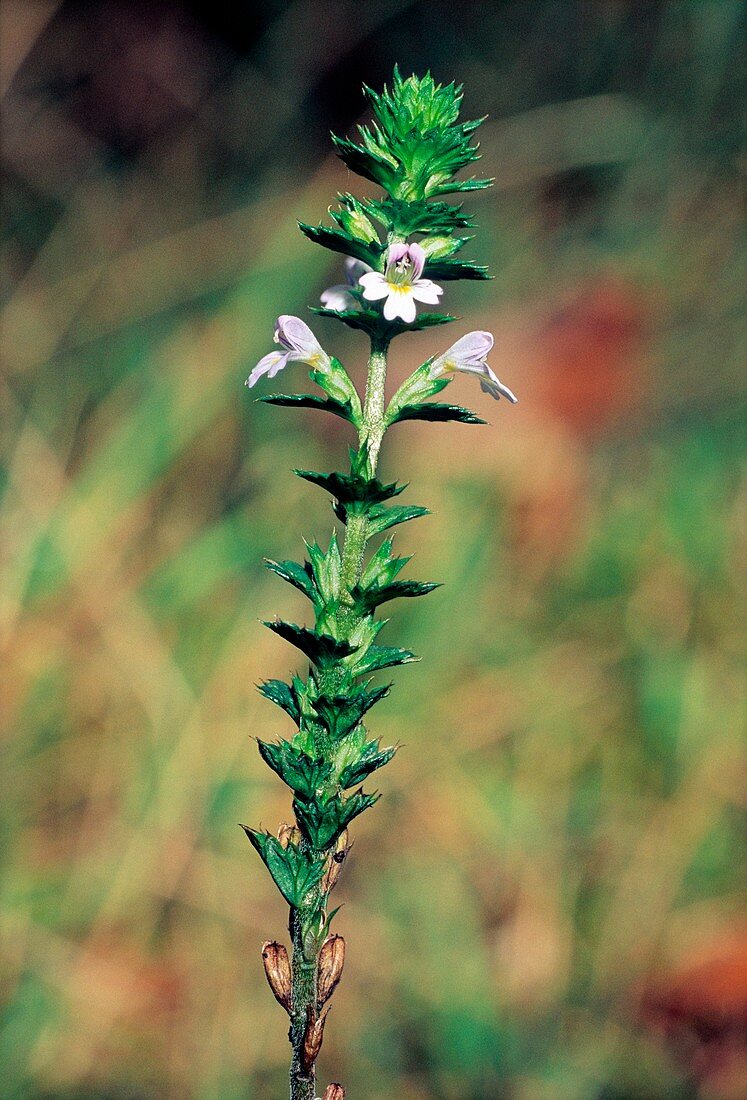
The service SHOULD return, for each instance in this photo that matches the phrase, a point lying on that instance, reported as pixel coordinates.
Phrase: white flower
(401, 285)
(300, 346)
(339, 296)
(469, 355)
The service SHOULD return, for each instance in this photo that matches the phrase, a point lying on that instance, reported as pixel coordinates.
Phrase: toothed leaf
(352, 488)
(321, 649)
(298, 575)
(371, 758)
(383, 656)
(341, 713)
(322, 823)
(298, 771)
(339, 240)
(311, 401)
(381, 518)
(437, 412)
(295, 873)
(368, 599)
(283, 695)
(455, 269)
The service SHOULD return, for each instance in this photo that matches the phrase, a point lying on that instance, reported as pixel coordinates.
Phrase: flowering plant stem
(414, 152)
(305, 970)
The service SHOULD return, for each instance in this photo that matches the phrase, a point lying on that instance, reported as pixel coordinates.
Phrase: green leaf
(322, 649)
(365, 320)
(381, 519)
(350, 489)
(283, 695)
(339, 240)
(425, 320)
(340, 714)
(367, 599)
(406, 218)
(437, 412)
(375, 324)
(295, 872)
(322, 823)
(382, 568)
(300, 576)
(471, 184)
(298, 771)
(311, 401)
(371, 758)
(455, 269)
(383, 656)
(353, 219)
(415, 388)
(326, 568)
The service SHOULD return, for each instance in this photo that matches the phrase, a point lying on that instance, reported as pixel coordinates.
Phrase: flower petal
(338, 297)
(396, 251)
(400, 303)
(354, 269)
(424, 290)
(375, 286)
(492, 385)
(269, 364)
(473, 348)
(417, 259)
(293, 334)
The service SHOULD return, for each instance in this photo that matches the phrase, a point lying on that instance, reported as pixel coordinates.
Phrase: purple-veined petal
(417, 259)
(293, 334)
(396, 252)
(269, 364)
(469, 353)
(472, 348)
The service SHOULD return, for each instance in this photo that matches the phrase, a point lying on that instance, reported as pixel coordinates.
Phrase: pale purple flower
(299, 344)
(339, 296)
(469, 355)
(401, 285)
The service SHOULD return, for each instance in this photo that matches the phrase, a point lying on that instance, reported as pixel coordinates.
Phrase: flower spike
(395, 246)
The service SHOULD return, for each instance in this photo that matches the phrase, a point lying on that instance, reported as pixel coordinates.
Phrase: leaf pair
(322, 822)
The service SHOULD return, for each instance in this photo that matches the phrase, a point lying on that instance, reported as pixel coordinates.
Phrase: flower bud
(334, 1092)
(358, 225)
(436, 248)
(337, 859)
(288, 834)
(331, 962)
(312, 1041)
(278, 972)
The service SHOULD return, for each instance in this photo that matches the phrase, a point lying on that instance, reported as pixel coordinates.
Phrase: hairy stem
(305, 976)
(372, 431)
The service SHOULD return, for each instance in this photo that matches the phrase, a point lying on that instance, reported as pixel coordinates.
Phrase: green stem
(372, 430)
(304, 997)
(305, 976)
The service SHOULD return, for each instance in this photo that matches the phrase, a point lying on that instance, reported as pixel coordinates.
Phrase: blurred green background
(546, 903)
